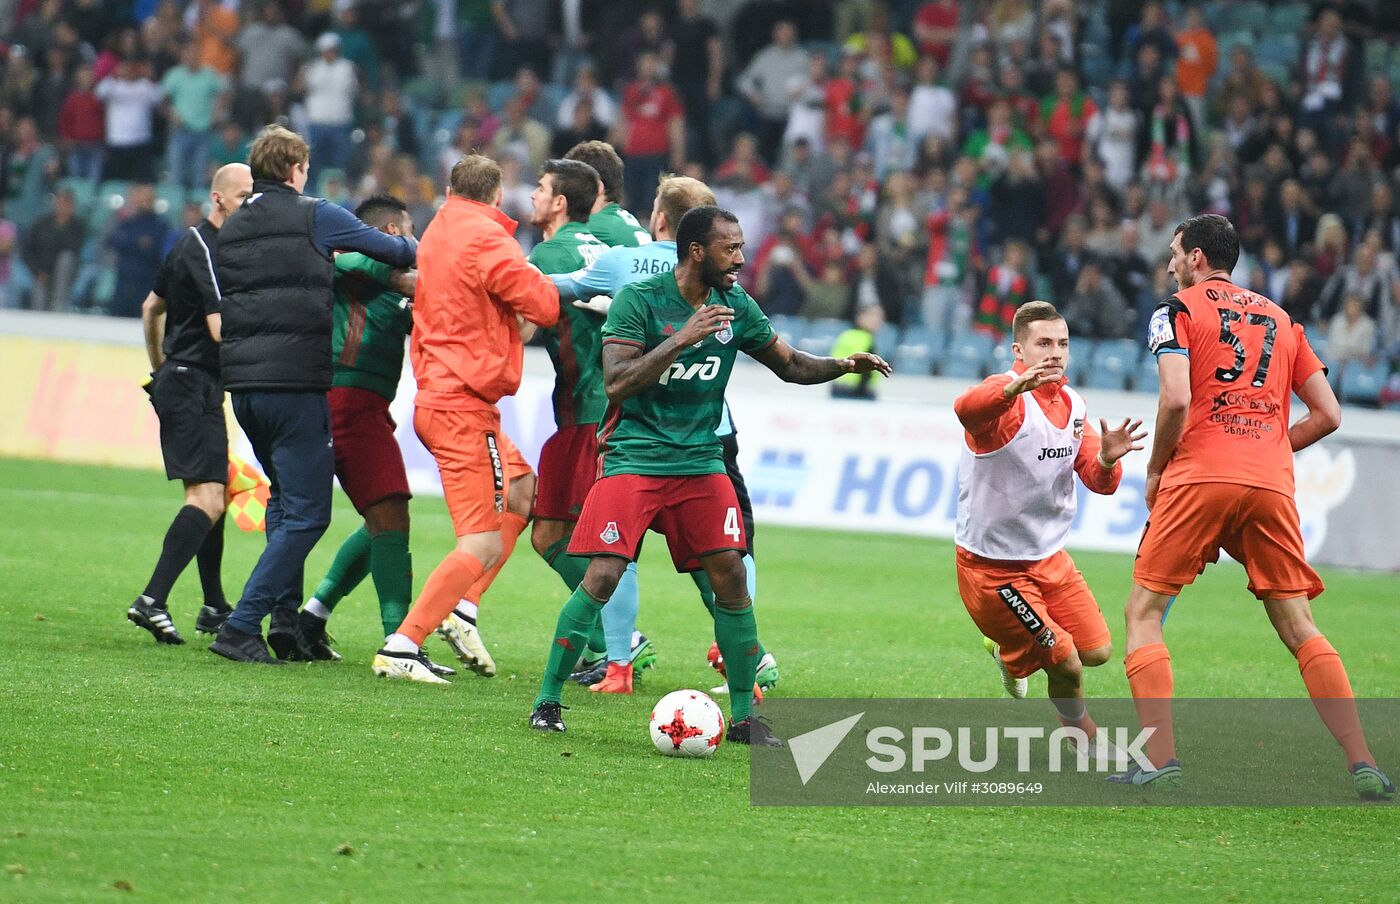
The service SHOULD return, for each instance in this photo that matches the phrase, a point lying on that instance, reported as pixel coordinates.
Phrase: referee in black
(276, 263)
(180, 318)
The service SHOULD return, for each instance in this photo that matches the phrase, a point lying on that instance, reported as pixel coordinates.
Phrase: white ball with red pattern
(687, 723)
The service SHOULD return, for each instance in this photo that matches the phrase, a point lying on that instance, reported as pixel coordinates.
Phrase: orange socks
(1150, 677)
(512, 525)
(448, 583)
(1330, 690)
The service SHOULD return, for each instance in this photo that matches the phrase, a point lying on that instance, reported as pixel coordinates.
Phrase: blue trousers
(291, 437)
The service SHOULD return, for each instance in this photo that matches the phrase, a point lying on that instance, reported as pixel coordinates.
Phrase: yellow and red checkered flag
(248, 492)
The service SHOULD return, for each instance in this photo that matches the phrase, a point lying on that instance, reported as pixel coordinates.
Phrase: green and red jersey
(575, 342)
(668, 430)
(370, 323)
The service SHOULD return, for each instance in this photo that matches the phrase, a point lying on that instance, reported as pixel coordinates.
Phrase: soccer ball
(687, 723)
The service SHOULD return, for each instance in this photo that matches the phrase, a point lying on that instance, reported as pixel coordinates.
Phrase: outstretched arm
(795, 366)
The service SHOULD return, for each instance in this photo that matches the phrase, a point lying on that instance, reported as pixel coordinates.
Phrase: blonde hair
(676, 195)
(276, 152)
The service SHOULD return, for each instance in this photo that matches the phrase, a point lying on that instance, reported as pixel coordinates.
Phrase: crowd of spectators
(942, 160)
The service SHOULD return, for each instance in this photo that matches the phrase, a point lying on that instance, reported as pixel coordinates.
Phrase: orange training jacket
(473, 280)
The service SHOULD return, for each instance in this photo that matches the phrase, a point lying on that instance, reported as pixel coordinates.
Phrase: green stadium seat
(1288, 18)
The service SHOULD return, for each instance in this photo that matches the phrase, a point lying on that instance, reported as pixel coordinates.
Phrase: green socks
(570, 568)
(387, 559)
(736, 632)
(349, 568)
(576, 621)
(707, 596)
(392, 568)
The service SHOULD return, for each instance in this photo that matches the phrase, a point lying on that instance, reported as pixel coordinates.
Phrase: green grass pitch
(130, 771)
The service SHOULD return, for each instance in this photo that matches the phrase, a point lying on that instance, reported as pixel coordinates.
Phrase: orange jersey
(473, 281)
(1247, 359)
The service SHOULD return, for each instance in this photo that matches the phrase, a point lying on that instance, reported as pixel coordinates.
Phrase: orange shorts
(1037, 612)
(1191, 523)
(476, 461)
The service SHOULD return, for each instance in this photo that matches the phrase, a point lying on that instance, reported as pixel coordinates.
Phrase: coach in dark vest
(276, 274)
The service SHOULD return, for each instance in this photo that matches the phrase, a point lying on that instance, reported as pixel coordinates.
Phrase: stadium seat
(1376, 54)
(551, 98)
(1288, 18)
(1112, 364)
(1279, 50)
(1317, 341)
(886, 339)
(1233, 39)
(1362, 385)
(1081, 358)
(912, 360)
(927, 336)
(1122, 354)
(170, 203)
(967, 355)
(1147, 379)
(821, 335)
(962, 369)
(790, 328)
(1000, 358)
(111, 196)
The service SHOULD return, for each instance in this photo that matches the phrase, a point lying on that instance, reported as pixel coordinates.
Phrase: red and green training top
(575, 343)
(370, 323)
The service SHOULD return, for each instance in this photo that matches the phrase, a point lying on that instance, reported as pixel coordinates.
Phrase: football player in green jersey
(610, 223)
(669, 346)
(372, 316)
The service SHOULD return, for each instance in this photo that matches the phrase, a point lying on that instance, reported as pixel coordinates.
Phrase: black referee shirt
(187, 282)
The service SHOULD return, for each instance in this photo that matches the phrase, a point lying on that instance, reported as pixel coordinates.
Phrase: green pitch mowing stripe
(190, 778)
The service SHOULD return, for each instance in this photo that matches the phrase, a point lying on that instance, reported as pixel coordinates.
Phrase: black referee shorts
(193, 433)
(736, 477)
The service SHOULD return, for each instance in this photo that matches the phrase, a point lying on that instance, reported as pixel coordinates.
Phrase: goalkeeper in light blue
(592, 289)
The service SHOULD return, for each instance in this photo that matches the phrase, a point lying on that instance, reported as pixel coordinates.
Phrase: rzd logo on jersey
(610, 534)
(700, 370)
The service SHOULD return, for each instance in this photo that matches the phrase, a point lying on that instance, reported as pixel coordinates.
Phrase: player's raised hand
(864, 363)
(1126, 437)
(1032, 377)
(707, 320)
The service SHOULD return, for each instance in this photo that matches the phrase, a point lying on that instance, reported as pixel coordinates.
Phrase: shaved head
(232, 185)
(230, 176)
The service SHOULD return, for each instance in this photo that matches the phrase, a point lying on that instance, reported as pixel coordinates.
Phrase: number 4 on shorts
(731, 524)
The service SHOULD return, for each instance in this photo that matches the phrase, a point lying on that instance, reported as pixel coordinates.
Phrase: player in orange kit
(475, 289)
(1027, 437)
(1221, 477)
